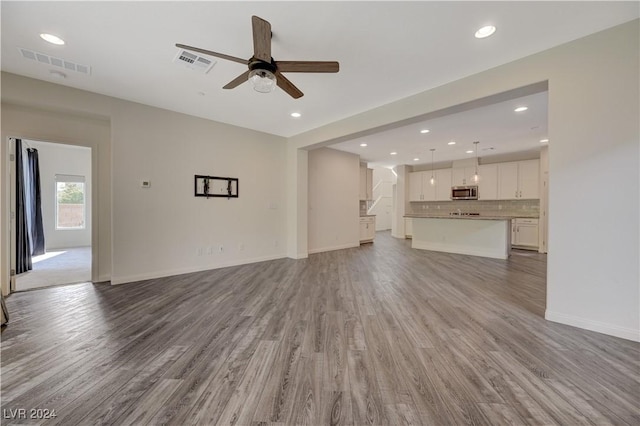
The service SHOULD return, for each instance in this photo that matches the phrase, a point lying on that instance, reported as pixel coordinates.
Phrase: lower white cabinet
(367, 229)
(408, 227)
(524, 233)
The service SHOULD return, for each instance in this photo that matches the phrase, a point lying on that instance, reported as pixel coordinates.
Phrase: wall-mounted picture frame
(216, 186)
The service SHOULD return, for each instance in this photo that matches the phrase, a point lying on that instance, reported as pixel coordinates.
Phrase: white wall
(593, 262)
(65, 160)
(334, 179)
(161, 230)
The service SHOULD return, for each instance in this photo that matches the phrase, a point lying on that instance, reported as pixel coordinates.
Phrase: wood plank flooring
(376, 335)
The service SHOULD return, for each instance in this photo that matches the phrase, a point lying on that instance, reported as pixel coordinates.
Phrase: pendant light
(476, 176)
(433, 179)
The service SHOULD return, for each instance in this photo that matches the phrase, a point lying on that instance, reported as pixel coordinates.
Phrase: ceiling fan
(264, 72)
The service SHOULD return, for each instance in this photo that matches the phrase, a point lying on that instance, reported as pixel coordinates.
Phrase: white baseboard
(104, 278)
(451, 248)
(180, 271)
(597, 326)
(339, 247)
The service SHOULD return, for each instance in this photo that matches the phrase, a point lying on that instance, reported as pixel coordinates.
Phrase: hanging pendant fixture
(476, 176)
(433, 179)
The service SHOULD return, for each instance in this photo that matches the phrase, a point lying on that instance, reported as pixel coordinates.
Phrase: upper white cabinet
(529, 179)
(462, 176)
(420, 188)
(488, 184)
(443, 184)
(502, 181)
(518, 180)
(366, 182)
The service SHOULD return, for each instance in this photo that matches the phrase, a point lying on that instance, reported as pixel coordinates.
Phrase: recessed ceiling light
(363, 144)
(296, 115)
(544, 140)
(52, 39)
(470, 151)
(485, 31)
(451, 143)
(416, 159)
(393, 153)
(520, 109)
(424, 131)
(57, 74)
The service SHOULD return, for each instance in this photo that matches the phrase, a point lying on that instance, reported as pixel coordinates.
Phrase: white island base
(477, 236)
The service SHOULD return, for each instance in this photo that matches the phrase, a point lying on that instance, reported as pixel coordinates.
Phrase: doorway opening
(65, 194)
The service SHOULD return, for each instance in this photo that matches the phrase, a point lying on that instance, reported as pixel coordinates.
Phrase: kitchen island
(486, 236)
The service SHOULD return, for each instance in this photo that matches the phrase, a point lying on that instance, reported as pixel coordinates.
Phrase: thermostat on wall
(145, 183)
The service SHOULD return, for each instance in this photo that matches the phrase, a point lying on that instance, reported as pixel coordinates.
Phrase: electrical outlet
(210, 250)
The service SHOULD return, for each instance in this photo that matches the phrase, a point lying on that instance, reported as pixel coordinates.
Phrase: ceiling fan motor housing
(257, 64)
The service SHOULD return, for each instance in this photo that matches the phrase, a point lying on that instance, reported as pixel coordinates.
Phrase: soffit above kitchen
(387, 50)
(498, 127)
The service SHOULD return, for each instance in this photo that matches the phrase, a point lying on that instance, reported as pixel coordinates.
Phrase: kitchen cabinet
(366, 182)
(488, 184)
(524, 233)
(518, 180)
(462, 176)
(367, 229)
(443, 184)
(408, 227)
(420, 188)
(529, 179)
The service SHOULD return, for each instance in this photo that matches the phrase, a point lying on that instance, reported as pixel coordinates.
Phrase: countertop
(419, 216)
(367, 215)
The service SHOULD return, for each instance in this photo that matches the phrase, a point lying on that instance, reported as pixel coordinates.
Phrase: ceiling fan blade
(238, 80)
(288, 86)
(261, 39)
(210, 53)
(308, 66)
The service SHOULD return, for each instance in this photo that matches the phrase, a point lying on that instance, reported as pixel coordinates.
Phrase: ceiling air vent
(193, 61)
(56, 62)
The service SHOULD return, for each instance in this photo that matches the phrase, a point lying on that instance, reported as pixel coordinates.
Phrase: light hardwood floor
(380, 334)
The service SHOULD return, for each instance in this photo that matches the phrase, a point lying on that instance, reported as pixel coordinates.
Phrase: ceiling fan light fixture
(263, 81)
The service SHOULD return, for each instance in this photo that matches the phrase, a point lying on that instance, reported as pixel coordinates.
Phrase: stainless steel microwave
(464, 192)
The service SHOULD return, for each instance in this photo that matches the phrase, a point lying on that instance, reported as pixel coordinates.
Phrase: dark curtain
(36, 228)
(29, 226)
(23, 246)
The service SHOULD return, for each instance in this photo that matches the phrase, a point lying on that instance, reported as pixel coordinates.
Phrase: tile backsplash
(519, 208)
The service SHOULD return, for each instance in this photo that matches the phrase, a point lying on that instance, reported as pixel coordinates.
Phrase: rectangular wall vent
(56, 62)
(194, 61)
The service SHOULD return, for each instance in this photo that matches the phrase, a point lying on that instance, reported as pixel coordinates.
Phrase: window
(70, 202)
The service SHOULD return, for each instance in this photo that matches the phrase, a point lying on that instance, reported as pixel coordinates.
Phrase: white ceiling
(386, 50)
(499, 129)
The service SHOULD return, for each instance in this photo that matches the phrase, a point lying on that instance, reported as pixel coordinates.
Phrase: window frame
(71, 179)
